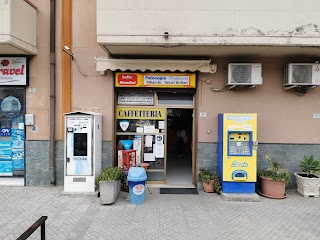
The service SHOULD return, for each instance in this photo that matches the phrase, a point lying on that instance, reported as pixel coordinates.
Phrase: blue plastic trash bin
(137, 177)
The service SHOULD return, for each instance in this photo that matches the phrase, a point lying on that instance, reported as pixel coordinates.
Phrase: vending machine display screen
(239, 144)
(80, 144)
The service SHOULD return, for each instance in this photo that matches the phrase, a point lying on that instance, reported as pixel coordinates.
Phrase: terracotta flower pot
(273, 189)
(208, 187)
(144, 165)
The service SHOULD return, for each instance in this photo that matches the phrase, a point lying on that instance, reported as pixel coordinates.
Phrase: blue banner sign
(5, 132)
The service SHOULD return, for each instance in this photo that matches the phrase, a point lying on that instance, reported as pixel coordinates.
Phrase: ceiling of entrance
(213, 51)
(7, 49)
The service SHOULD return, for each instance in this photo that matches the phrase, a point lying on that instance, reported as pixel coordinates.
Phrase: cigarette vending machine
(82, 151)
(237, 152)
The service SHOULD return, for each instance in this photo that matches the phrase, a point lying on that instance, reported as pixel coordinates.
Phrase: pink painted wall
(283, 117)
(90, 90)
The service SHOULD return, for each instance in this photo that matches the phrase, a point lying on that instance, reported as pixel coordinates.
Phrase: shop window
(12, 133)
(166, 98)
(141, 134)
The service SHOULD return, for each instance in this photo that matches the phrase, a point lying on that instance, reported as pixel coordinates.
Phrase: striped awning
(112, 64)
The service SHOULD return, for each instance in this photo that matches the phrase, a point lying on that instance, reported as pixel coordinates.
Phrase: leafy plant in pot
(110, 184)
(210, 181)
(273, 180)
(307, 181)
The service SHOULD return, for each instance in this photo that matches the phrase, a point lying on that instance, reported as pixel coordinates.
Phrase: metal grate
(241, 73)
(302, 74)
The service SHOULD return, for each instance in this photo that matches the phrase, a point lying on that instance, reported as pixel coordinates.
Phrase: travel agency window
(13, 80)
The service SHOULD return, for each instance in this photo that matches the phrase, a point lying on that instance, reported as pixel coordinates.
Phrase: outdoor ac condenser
(302, 74)
(244, 74)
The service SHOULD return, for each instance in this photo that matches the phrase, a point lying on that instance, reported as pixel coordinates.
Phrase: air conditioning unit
(244, 74)
(302, 74)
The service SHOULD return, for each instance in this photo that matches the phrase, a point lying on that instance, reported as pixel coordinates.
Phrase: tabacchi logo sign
(127, 79)
(13, 71)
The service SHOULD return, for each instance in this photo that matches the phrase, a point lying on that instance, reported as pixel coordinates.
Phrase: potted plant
(210, 181)
(110, 184)
(307, 181)
(273, 180)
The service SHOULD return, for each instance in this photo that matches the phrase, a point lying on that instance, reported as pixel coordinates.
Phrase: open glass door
(179, 139)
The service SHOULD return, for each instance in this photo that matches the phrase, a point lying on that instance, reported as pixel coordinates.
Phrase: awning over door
(104, 64)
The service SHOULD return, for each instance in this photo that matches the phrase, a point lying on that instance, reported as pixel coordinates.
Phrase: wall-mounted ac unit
(244, 74)
(302, 74)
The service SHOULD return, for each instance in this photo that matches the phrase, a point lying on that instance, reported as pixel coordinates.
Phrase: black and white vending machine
(82, 151)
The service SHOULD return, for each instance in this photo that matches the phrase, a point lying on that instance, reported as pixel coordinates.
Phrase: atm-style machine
(237, 155)
(82, 151)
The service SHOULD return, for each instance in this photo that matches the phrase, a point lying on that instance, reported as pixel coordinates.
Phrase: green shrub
(309, 165)
(276, 172)
(205, 176)
(111, 174)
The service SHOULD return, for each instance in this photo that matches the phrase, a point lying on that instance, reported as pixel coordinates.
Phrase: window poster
(158, 149)
(5, 151)
(148, 157)
(137, 144)
(6, 168)
(17, 121)
(138, 157)
(5, 132)
(18, 159)
(17, 138)
(120, 158)
(149, 140)
(10, 106)
(159, 139)
(5, 122)
(161, 124)
(149, 129)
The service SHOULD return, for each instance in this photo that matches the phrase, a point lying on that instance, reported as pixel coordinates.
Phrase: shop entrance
(179, 146)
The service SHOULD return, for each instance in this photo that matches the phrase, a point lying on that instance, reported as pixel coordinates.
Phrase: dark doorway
(179, 146)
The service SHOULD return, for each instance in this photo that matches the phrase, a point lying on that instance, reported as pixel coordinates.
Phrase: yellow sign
(156, 80)
(140, 113)
(239, 155)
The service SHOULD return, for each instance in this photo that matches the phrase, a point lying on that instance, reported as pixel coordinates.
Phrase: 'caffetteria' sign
(157, 80)
(140, 113)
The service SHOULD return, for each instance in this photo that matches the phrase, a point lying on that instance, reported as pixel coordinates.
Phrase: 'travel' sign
(157, 80)
(13, 71)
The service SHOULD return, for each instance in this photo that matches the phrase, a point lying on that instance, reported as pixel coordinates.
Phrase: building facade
(150, 68)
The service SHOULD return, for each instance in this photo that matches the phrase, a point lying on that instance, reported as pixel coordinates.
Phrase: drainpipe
(52, 107)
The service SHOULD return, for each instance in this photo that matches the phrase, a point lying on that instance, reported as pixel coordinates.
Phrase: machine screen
(80, 144)
(239, 144)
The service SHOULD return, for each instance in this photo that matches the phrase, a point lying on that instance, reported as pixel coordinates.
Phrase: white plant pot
(308, 187)
(109, 191)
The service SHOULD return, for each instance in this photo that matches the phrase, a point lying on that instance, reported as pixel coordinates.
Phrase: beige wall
(39, 77)
(23, 22)
(208, 18)
(90, 91)
(283, 117)
(18, 28)
(5, 24)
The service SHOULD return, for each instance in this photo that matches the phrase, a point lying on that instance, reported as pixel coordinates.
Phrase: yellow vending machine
(237, 152)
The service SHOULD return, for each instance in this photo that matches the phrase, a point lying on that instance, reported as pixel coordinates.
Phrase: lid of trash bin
(137, 174)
